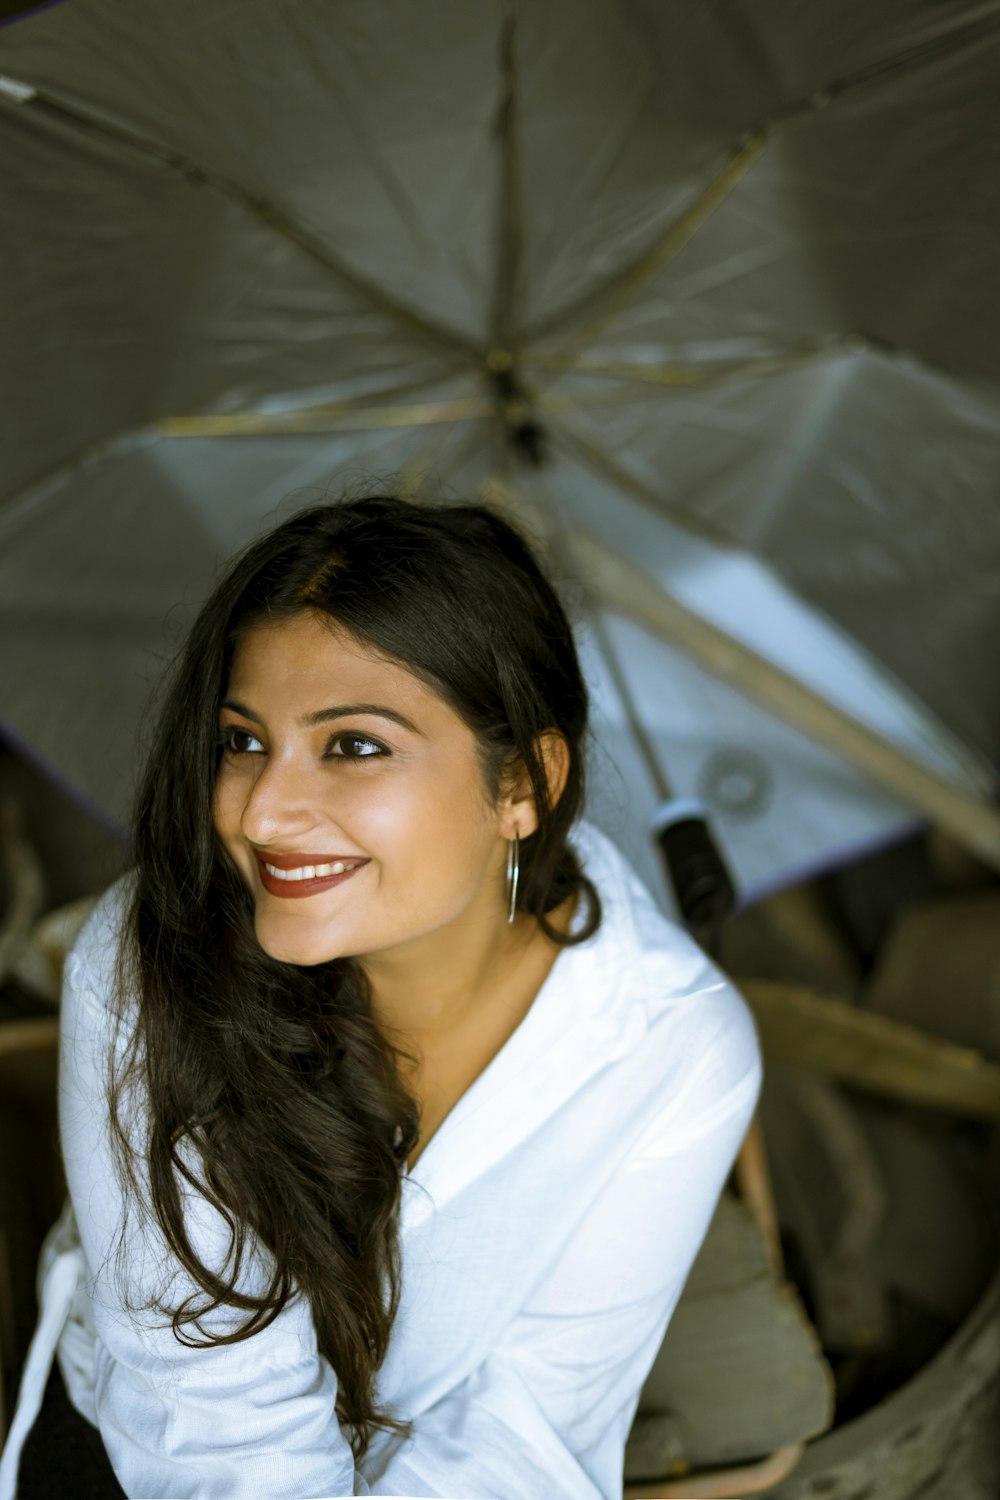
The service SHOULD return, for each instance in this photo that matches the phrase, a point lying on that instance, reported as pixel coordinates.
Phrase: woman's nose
(280, 805)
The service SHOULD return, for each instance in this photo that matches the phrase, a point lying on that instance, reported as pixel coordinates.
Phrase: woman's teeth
(310, 872)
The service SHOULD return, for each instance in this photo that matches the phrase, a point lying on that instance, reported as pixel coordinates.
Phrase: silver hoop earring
(513, 870)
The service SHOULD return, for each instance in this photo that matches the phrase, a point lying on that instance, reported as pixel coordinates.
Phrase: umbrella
(703, 294)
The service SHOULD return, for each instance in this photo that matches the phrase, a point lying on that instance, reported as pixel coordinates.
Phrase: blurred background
(706, 298)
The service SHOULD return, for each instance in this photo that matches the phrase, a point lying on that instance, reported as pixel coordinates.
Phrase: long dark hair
(274, 1078)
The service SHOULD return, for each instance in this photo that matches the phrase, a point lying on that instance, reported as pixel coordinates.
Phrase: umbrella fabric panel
(866, 482)
(894, 532)
(82, 608)
(794, 50)
(614, 136)
(741, 593)
(903, 217)
(94, 247)
(239, 486)
(371, 125)
(147, 299)
(873, 211)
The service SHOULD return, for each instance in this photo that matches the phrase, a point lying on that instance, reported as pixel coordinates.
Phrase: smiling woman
(367, 922)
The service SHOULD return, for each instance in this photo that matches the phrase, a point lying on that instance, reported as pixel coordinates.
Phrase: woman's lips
(295, 889)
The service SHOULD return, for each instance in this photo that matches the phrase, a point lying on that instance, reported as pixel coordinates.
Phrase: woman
(391, 1158)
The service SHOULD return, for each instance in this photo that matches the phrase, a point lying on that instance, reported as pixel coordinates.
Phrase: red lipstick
(295, 889)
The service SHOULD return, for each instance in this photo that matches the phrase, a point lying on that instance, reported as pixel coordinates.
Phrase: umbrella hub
(524, 431)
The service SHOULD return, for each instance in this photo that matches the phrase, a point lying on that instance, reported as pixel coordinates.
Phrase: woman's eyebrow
(324, 715)
(342, 710)
(241, 709)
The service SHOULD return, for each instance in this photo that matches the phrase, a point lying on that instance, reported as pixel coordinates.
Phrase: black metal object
(696, 870)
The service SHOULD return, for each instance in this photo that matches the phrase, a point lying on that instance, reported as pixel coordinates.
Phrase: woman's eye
(359, 747)
(240, 741)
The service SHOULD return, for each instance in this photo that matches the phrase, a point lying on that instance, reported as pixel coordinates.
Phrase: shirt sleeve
(255, 1417)
(548, 1412)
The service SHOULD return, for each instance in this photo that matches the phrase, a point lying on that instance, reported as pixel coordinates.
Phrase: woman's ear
(519, 809)
(555, 756)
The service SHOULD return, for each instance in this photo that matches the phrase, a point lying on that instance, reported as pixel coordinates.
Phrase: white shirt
(547, 1230)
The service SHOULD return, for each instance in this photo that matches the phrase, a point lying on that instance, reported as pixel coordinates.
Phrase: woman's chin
(301, 951)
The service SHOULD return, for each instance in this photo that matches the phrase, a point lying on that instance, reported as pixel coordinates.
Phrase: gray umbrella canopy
(707, 295)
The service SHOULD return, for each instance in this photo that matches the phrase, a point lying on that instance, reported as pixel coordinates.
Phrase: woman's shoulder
(635, 933)
(92, 961)
(100, 934)
(651, 965)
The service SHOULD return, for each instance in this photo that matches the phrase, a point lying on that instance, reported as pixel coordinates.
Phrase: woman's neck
(444, 980)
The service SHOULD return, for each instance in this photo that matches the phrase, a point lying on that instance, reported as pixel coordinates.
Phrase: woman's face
(332, 755)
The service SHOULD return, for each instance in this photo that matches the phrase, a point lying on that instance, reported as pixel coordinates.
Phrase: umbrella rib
(344, 407)
(19, 506)
(510, 227)
(46, 104)
(684, 375)
(623, 285)
(649, 381)
(952, 40)
(359, 418)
